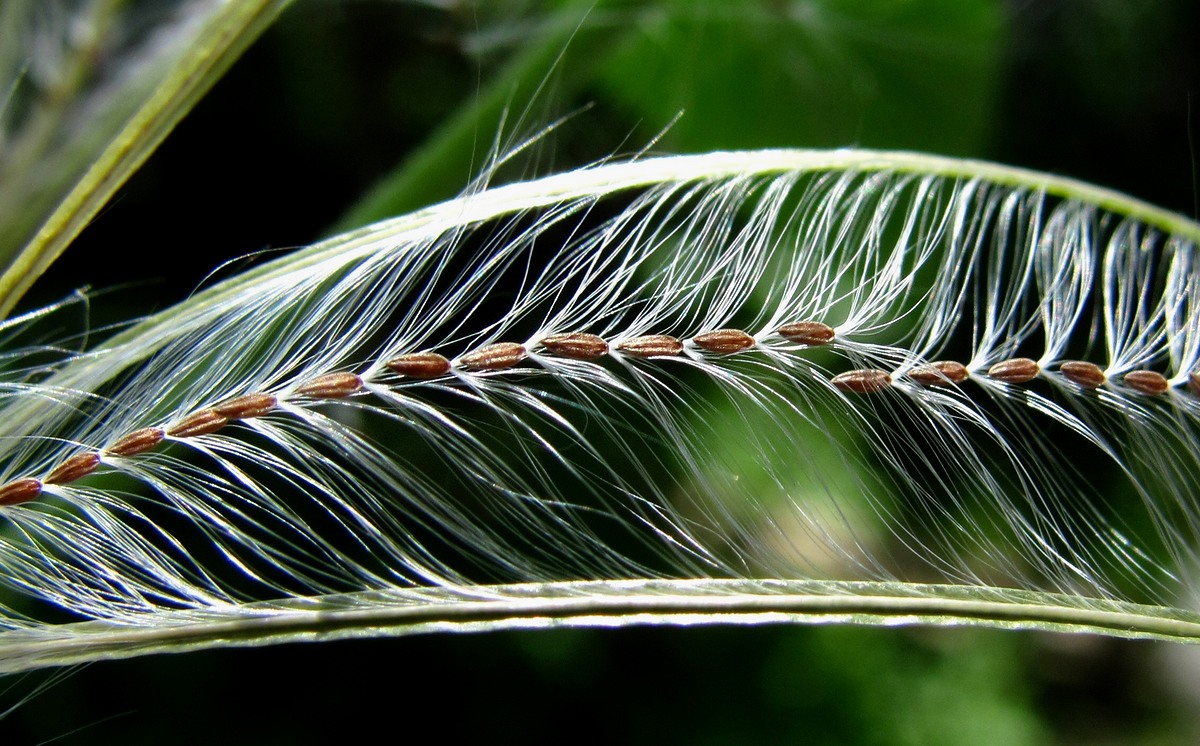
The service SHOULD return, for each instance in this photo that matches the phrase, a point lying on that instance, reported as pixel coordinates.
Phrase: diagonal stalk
(225, 36)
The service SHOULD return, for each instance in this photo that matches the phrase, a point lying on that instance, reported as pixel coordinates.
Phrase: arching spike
(724, 341)
(1016, 370)
(577, 345)
(863, 381)
(651, 345)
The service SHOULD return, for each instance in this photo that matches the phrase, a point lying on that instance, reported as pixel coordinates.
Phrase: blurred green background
(347, 111)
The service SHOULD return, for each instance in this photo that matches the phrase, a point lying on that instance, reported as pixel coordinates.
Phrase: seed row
(576, 346)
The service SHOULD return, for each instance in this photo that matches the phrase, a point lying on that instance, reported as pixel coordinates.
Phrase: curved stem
(616, 603)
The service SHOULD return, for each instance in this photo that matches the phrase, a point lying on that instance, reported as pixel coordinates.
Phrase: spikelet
(839, 367)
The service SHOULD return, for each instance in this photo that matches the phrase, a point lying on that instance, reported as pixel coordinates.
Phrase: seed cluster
(575, 346)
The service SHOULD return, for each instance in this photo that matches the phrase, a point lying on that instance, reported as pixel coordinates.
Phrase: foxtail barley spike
(1148, 382)
(246, 407)
(940, 373)
(1088, 375)
(738, 461)
(865, 381)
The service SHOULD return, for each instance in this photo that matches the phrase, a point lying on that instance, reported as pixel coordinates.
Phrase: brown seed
(202, 422)
(940, 373)
(1148, 382)
(1193, 383)
(79, 465)
(811, 333)
(1016, 370)
(651, 345)
(578, 345)
(1087, 375)
(724, 341)
(494, 356)
(245, 407)
(331, 386)
(420, 365)
(138, 441)
(20, 491)
(864, 381)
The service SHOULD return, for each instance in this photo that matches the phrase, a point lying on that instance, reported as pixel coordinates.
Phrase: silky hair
(761, 386)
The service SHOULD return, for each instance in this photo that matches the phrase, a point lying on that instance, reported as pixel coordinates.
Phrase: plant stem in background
(218, 37)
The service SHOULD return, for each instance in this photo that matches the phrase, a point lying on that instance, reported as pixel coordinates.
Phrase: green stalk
(227, 33)
(615, 603)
